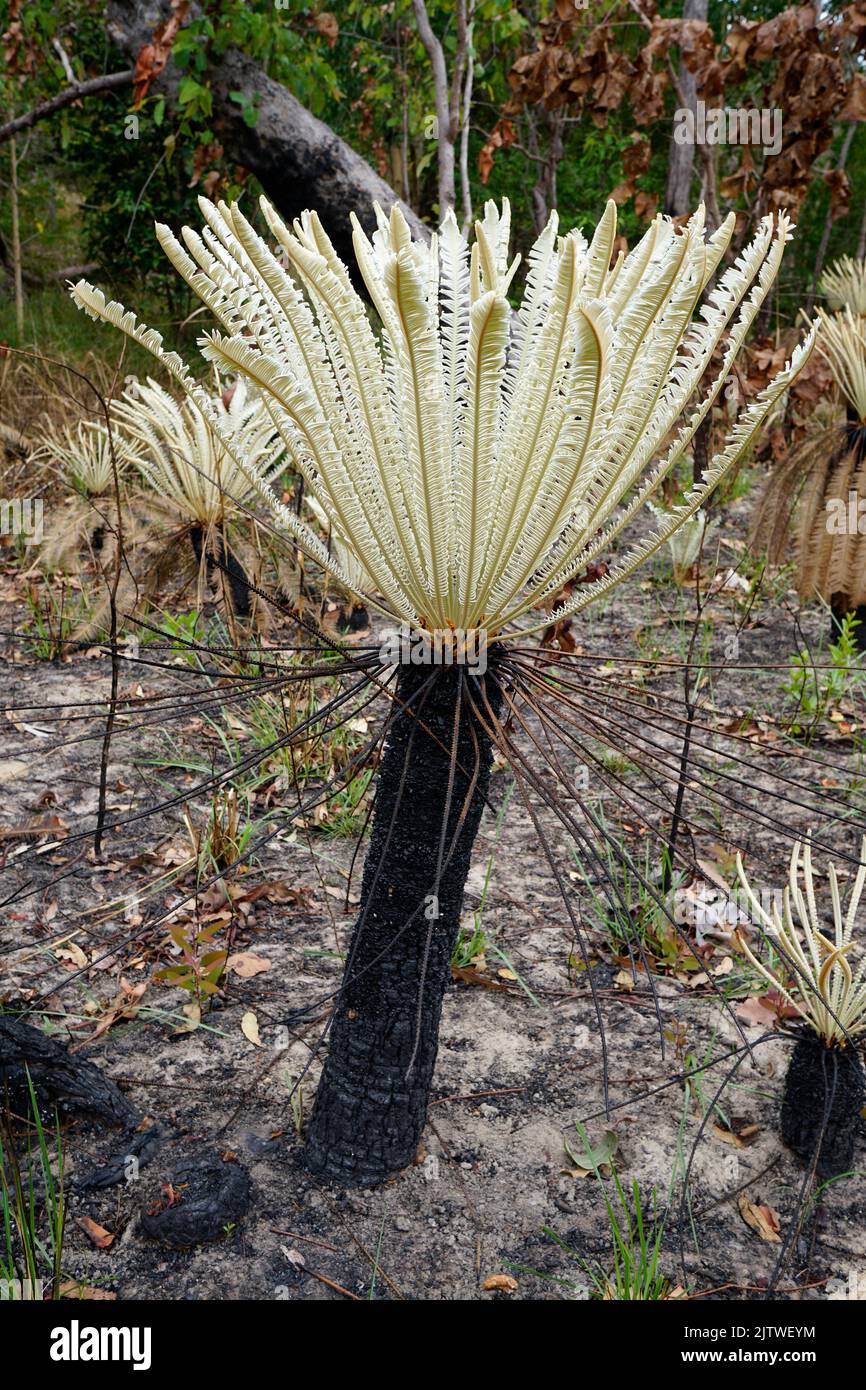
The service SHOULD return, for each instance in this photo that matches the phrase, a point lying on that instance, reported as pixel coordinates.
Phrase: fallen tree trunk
(299, 161)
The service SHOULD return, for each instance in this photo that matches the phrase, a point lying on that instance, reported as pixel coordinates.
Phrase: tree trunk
(447, 110)
(298, 160)
(237, 587)
(681, 158)
(15, 248)
(828, 223)
(372, 1099)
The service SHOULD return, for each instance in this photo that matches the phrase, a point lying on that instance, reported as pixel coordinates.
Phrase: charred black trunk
(228, 562)
(824, 1091)
(372, 1099)
(354, 618)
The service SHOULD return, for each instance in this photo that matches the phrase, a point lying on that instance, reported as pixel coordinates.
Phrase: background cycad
(183, 461)
(87, 467)
(843, 284)
(820, 475)
(472, 460)
(821, 972)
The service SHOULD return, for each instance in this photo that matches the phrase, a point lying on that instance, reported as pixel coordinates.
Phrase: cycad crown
(472, 458)
(182, 458)
(85, 453)
(832, 995)
(843, 284)
(842, 340)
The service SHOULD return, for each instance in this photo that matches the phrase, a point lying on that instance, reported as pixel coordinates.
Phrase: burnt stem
(824, 1094)
(432, 783)
(221, 553)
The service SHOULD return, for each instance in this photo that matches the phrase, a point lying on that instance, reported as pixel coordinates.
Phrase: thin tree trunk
(828, 222)
(371, 1104)
(555, 151)
(861, 243)
(540, 209)
(404, 123)
(446, 95)
(15, 248)
(681, 158)
(465, 186)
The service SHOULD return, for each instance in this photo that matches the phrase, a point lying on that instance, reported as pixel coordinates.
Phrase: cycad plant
(812, 970)
(824, 476)
(473, 459)
(83, 457)
(689, 543)
(198, 483)
(843, 284)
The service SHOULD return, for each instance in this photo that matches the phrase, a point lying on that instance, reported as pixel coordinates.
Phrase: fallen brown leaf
(98, 1234)
(500, 1283)
(246, 964)
(760, 1218)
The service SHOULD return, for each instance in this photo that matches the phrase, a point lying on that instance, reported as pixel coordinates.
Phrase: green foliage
(32, 1204)
(813, 687)
(636, 1232)
(201, 963)
(53, 615)
(89, 191)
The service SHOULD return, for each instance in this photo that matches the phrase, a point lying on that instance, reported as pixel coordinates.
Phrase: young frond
(182, 459)
(687, 543)
(831, 994)
(471, 459)
(842, 340)
(843, 285)
(84, 453)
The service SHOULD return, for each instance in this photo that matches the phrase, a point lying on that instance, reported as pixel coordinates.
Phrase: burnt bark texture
(371, 1104)
(59, 1078)
(824, 1090)
(220, 555)
(299, 161)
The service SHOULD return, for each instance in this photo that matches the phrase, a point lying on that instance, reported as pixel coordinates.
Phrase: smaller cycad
(689, 543)
(181, 459)
(194, 486)
(811, 969)
(843, 284)
(82, 456)
(819, 477)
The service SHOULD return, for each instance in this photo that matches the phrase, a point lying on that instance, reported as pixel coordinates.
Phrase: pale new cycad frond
(843, 284)
(831, 995)
(688, 543)
(182, 459)
(842, 340)
(469, 457)
(84, 452)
